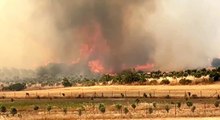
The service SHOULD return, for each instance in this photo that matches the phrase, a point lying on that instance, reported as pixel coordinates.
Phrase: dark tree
(15, 87)
(66, 83)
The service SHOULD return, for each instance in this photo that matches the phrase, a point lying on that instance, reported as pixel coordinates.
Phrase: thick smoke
(216, 62)
(107, 28)
(187, 33)
(109, 35)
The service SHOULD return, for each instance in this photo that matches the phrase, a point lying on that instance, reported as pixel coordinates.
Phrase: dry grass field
(110, 95)
(116, 90)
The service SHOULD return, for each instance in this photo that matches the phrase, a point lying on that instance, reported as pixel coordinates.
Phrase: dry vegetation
(116, 90)
(137, 95)
(202, 96)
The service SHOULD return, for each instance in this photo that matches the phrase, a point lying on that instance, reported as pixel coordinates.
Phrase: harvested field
(115, 91)
(91, 97)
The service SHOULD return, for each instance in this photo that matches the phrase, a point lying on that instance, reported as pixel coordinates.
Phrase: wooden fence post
(175, 109)
(205, 109)
(154, 93)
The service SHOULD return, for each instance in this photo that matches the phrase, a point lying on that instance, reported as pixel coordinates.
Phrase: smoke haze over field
(109, 35)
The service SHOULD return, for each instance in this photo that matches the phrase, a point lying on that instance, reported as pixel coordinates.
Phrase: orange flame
(94, 48)
(96, 66)
(144, 67)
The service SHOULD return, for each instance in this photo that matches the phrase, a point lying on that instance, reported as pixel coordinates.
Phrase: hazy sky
(183, 33)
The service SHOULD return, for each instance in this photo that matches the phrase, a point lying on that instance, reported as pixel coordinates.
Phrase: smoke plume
(109, 35)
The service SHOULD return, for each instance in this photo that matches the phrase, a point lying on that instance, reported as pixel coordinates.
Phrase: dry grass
(115, 91)
(209, 112)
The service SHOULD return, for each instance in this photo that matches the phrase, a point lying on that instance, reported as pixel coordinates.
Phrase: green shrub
(88, 83)
(15, 87)
(165, 82)
(185, 82)
(216, 103)
(150, 110)
(13, 111)
(49, 108)
(3, 109)
(66, 83)
(118, 106)
(133, 105)
(179, 105)
(36, 108)
(102, 108)
(137, 101)
(189, 103)
(126, 110)
(167, 108)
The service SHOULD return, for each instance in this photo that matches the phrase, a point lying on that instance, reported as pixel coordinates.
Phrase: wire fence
(111, 94)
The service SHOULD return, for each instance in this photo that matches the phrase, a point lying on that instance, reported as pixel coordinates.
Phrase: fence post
(154, 93)
(175, 109)
(205, 109)
(94, 95)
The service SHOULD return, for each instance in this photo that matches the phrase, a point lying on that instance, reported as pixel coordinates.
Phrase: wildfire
(94, 47)
(94, 50)
(145, 67)
(96, 66)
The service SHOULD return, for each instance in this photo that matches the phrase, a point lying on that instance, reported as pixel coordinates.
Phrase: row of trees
(131, 76)
(125, 77)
